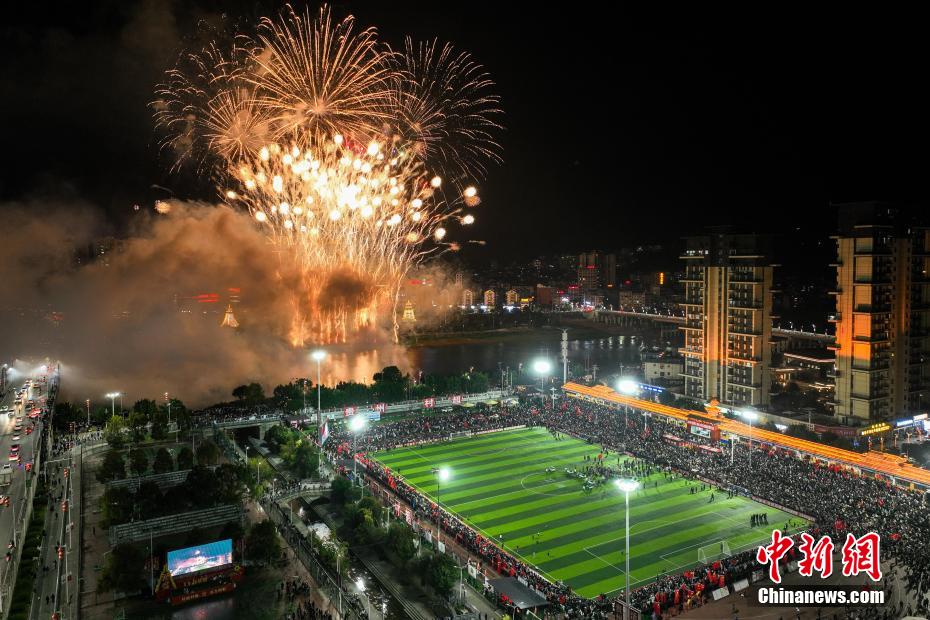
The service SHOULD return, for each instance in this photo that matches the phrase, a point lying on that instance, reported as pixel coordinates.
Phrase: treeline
(143, 414)
(388, 386)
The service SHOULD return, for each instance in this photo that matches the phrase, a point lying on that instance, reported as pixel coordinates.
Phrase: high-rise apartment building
(596, 271)
(882, 313)
(728, 318)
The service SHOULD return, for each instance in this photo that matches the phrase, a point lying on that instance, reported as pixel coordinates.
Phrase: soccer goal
(714, 551)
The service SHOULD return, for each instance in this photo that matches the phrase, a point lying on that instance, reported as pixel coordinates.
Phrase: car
(14, 447)
(15, 437)
(17, 428)
(13, 456)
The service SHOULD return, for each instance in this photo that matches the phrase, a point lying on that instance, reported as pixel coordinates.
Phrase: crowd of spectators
(839, 500)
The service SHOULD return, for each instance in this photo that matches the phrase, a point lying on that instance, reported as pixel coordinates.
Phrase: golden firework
(337, 147)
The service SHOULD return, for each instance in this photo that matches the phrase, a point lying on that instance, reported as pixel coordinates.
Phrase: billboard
(199, 558)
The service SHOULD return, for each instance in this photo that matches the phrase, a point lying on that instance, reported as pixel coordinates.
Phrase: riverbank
(510, 334)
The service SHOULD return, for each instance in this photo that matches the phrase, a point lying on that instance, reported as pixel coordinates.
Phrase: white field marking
(521, 490)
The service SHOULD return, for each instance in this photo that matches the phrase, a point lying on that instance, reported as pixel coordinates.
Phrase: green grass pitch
(498, 485)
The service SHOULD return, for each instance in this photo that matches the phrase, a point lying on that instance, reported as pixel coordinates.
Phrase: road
(17, 489)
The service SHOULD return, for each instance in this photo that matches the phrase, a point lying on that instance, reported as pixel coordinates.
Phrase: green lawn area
(499, 486)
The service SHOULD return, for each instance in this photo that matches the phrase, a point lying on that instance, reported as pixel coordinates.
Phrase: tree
(99, 415)
(340, 490)
(202, 486)
(305, 460)
(160, 426)
(138, 462)
(117, 505)
(400, 540)
(252, 393)
(65, 414)
(137, 423)
(390, 384)
(207, 453)
(146, 407)
(262, 543)
(229, 483)
(112, 468)
(163, 462)
(123, 571)
(442, 573)
(115, 433)
(275, 437)
(185, 458)
(149, 500)
(180, 415)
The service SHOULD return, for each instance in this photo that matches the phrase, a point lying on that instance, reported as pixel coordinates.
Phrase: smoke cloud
(141, 318)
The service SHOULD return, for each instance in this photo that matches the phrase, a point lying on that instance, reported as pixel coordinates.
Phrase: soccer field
(499, 486)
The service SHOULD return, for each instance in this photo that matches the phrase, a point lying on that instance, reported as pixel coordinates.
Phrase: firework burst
(446, 108)
(337, 147)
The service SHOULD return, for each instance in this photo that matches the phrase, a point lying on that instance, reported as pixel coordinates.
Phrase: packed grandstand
(839, 499)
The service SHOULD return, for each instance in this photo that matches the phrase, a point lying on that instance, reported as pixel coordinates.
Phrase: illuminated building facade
(728, 319)
(882, 313)
(596, 271)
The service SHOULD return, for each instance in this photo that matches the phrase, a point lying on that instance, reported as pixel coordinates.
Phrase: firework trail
(337, 146)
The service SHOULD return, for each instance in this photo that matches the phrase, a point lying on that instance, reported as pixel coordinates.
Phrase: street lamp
(356, 424)
(751, 416)
(626, 486)
(319, 355)
(112, 396)
(542, 367)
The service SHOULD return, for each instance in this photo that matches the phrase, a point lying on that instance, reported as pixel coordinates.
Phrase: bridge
(263, 422)
(306, 490)
(634, 318)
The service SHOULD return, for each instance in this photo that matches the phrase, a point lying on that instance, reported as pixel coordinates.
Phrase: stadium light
(112, 396)
(542, 367)
(318, 355)
(627, 486)
(442, 474)
(751, 416)
(628, 387)
(356, 424)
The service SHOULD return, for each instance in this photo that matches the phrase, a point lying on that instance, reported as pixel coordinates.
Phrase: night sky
(621, 128)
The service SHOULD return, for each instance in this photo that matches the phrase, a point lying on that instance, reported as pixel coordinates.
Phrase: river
(488, 354)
